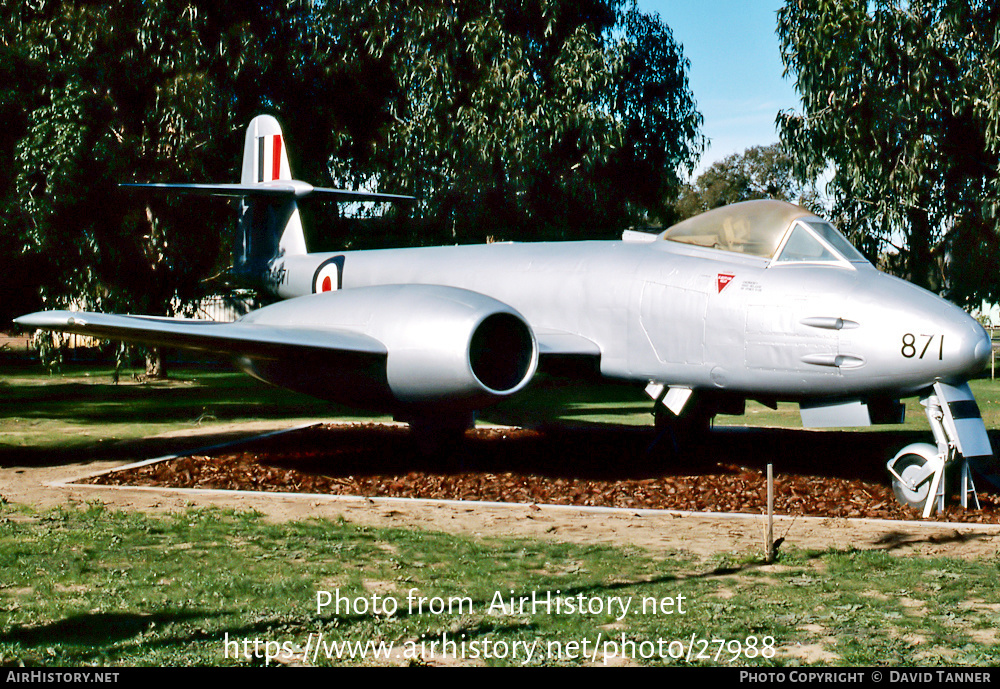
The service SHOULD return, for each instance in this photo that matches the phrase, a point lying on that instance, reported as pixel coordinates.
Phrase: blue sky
(736, 71)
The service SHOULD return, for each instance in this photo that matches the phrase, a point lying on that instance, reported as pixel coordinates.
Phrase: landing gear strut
(919, 470)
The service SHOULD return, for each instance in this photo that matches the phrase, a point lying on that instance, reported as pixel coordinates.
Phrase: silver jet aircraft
(759, 300)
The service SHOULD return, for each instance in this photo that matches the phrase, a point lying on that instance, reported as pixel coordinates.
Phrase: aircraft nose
(917, 335)
(974, 347)
(980, 347)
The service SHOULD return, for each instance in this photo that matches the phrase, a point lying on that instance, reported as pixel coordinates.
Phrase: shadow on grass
(124, 451)
(94, 629)
(91, 636)
(104, 403)
(41, 417)
(895, 540)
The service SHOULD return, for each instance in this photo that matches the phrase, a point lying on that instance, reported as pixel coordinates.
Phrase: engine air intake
(501, 352)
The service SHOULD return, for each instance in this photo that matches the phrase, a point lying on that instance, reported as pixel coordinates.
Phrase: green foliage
(660, 121)
(549, 118)
(760, 172)
(901, 100)
(109, 94)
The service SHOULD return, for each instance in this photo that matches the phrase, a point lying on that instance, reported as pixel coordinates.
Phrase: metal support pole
(770, 513)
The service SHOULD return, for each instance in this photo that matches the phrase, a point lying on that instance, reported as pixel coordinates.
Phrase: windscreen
(838, 241)
(816, 240)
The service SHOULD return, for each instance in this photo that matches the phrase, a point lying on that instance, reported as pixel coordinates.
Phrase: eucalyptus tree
(107, 92)
(901, 103)
(553, 118)
(759, 172)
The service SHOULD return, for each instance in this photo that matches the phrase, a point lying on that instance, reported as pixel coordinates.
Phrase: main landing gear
(920, 471)
(682, 416)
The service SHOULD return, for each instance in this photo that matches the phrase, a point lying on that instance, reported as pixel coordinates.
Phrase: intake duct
(501, 352)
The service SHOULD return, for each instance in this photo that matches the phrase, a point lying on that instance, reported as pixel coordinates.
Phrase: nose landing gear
(919, 470)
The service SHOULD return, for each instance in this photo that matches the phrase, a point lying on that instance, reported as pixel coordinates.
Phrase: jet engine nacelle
(444, 347)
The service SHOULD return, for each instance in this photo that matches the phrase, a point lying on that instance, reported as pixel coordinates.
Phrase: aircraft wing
(251, 339)
(237, 339)
(395, 346)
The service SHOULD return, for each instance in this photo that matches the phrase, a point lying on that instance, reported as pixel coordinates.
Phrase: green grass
(987, 394)
(101, 587)
(629, 405)
(81, 410)
(81, 407)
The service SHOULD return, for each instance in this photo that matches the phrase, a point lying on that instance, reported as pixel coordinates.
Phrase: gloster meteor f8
(760, 300)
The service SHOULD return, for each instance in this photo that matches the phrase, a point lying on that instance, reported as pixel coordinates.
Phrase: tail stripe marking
(260, 159)
(276, 158)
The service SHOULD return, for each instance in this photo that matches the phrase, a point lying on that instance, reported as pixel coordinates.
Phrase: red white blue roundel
(329, 275)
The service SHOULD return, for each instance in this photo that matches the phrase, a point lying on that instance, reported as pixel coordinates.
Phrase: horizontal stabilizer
(235, 339)
(278, 189)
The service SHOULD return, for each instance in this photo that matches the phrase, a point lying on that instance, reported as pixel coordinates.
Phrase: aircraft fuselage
(692, 316)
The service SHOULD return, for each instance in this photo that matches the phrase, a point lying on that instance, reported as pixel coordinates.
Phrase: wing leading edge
(251, 339)
(236, 339)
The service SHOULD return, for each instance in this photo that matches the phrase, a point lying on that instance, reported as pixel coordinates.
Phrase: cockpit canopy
(775, 230)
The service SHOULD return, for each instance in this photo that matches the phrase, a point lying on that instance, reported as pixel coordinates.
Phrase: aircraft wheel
(908, 466)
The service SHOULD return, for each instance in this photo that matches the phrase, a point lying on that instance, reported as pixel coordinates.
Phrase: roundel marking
(329, 276)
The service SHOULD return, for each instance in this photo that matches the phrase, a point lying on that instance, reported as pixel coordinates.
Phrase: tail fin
(264, 157)
(269, 226)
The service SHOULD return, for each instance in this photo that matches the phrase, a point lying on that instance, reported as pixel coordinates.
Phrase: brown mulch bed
(829, 474)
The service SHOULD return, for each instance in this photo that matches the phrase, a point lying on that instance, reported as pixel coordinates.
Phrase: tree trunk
(921, 265)
(156, 364)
